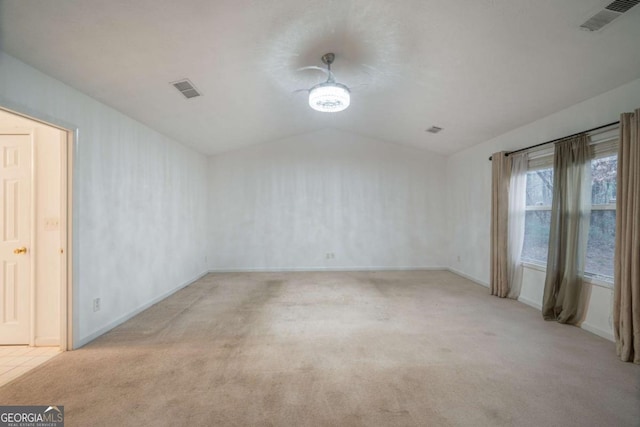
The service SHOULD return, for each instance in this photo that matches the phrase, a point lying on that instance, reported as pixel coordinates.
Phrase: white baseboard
(466, 276)
(608, 335)
(598, 331)
(86, 340)
(47, 341)
(314, 269)
(530, 302)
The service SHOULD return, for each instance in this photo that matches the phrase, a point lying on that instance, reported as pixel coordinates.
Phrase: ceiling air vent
(608, 14)
(434, 129)
(186, 88)
(622, 5)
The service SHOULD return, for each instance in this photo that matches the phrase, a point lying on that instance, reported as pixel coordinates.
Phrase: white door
(15, 238)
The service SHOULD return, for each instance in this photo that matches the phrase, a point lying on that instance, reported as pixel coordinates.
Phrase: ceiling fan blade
(313, 67)
(300, 90)
(329, 73)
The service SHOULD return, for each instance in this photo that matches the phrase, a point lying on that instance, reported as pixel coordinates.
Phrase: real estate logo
(31, 416)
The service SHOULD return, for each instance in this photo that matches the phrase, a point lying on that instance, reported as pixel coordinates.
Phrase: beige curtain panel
(570, 214)
(626, 308)
(500, 175)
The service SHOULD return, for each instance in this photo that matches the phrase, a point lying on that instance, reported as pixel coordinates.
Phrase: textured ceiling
(477, 68)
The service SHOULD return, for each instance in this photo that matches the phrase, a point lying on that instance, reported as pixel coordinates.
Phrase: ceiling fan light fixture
(329, 97)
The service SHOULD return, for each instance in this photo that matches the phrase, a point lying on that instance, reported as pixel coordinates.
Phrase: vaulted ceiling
(476, 68)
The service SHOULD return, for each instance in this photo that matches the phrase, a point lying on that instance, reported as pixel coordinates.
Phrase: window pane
(540, 187)
(603, 180)
(536, 236)
(601, 245)
(538, 216)
(602, 229)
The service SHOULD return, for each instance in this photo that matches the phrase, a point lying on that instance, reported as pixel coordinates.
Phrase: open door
(16, 176)
(36, 160)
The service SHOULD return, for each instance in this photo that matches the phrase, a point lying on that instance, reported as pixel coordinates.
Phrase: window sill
(595, 281)
(601, 282)
(534, 266)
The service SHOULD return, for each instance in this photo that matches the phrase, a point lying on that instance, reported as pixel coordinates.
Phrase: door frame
(66, 230)
(67, 225)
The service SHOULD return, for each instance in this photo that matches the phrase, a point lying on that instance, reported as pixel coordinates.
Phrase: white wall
(286, 204)
(139, 201)
(469, 175)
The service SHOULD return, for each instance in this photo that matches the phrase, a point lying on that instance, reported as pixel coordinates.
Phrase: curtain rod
(560, 139)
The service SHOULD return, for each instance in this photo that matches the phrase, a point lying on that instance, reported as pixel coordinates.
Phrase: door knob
(19, 251)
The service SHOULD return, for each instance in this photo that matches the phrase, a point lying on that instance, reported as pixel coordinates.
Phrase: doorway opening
(35, 234)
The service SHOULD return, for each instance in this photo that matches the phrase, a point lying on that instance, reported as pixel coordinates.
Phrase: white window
(601, 242)
(537, 220)
(602, 229)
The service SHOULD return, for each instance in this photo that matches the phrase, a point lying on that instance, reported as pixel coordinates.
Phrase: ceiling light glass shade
(329, 97)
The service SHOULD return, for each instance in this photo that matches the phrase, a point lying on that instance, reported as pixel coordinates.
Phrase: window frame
(535, 165)
(595, 278)
(603, 144)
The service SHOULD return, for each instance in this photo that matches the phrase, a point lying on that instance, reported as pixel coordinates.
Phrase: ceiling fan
(329, 96)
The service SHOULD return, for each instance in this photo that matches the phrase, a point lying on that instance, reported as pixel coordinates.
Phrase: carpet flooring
(424, 348)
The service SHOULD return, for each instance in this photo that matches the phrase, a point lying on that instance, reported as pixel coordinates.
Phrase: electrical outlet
(96, 304)
(330, 255)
